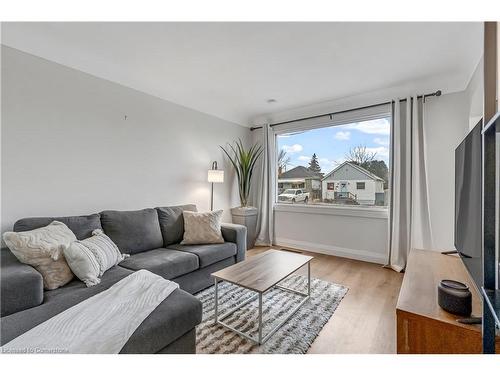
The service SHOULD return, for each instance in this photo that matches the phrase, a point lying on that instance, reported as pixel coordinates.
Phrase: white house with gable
(353, 184)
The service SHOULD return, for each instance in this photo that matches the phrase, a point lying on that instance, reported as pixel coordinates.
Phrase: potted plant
(244, 161)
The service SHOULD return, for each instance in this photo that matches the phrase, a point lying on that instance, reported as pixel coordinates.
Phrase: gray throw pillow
(172, 222)
(133, 231)
(82, 226)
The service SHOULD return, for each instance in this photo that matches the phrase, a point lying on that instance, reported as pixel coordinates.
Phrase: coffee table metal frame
(260, 339)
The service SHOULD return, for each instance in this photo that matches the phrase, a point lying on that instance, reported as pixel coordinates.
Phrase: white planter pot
(246, 216)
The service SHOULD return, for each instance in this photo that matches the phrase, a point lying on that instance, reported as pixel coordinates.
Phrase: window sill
(368, 212)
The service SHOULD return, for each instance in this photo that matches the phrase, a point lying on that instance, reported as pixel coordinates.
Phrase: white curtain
(409, 219)
(265, 220)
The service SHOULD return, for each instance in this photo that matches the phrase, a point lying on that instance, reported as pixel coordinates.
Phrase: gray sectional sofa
(152, 237)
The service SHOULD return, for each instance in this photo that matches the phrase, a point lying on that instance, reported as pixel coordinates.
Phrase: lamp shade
(215, 175)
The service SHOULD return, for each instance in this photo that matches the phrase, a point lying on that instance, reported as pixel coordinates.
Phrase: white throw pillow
(91, 257)
(43, 249)
(202, 227)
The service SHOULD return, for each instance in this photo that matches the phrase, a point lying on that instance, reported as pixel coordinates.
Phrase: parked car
(294, 196)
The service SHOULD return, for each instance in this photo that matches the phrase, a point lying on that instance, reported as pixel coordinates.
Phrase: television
(468, 203)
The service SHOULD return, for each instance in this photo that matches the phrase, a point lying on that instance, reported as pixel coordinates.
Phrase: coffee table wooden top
(263, 271)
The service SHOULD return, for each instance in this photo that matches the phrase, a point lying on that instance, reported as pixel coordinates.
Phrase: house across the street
(351, 184)
(301, 178)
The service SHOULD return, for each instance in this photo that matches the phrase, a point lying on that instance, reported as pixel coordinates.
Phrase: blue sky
(333, 143)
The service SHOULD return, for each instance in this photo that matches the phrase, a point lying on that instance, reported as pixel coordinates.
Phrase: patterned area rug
(294, 337)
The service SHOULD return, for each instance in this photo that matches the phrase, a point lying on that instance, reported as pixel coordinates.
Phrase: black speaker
(455, 297)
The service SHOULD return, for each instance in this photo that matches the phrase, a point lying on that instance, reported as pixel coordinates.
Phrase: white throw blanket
(102, 323)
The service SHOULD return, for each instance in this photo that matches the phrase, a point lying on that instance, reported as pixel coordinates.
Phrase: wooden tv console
(422, 326)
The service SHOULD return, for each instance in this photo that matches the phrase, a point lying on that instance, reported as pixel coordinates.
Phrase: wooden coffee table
(260, 274)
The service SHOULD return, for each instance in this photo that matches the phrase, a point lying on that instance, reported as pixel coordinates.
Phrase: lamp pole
(212, 199)
(215, 176)
(214, 168)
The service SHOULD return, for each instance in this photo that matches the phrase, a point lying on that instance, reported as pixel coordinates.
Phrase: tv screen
(468, 198)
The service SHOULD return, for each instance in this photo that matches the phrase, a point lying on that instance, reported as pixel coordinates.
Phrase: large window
(344, 164)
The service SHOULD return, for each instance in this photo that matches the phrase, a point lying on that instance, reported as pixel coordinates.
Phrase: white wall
(446, 124)
(341, 231)
(475, 94)
(67, 148)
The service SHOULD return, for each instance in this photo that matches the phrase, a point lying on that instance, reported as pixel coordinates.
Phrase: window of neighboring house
(333, 158)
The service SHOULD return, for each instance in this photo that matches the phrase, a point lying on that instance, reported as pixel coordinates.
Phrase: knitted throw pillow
(91, 257)
(202, 227)
(43, 249)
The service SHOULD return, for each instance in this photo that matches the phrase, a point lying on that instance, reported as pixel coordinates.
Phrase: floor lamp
(214, 176)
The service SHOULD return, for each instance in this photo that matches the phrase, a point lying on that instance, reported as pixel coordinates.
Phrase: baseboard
(332, 250)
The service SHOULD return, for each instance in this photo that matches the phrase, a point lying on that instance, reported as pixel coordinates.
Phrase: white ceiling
(230, 70)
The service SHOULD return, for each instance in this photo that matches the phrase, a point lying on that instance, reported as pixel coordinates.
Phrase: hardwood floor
(365, 321)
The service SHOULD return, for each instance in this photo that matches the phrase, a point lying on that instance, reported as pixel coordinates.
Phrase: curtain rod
(437, 93)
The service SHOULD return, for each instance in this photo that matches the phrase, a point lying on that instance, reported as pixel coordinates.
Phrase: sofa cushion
(77, 291)
(133, 231)
(172, 222)
(164, 262)
(176, 315)
(208, 254)
(81, 226)
(55, 302)
(202, 278)
(21, 286)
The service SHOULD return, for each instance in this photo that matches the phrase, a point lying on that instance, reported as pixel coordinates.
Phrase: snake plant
(243, 162)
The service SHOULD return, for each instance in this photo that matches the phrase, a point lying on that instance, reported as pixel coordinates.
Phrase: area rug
(294, 337)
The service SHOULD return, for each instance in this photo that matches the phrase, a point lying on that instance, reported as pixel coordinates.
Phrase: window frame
(347, 117)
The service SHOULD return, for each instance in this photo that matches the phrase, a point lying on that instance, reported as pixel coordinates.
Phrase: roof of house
(299, 172)
(355, 166)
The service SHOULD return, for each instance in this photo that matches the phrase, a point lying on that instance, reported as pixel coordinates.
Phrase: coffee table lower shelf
(261, 338)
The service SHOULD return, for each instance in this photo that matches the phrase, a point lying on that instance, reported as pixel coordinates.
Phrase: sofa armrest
(21, 286)
(237, 234)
